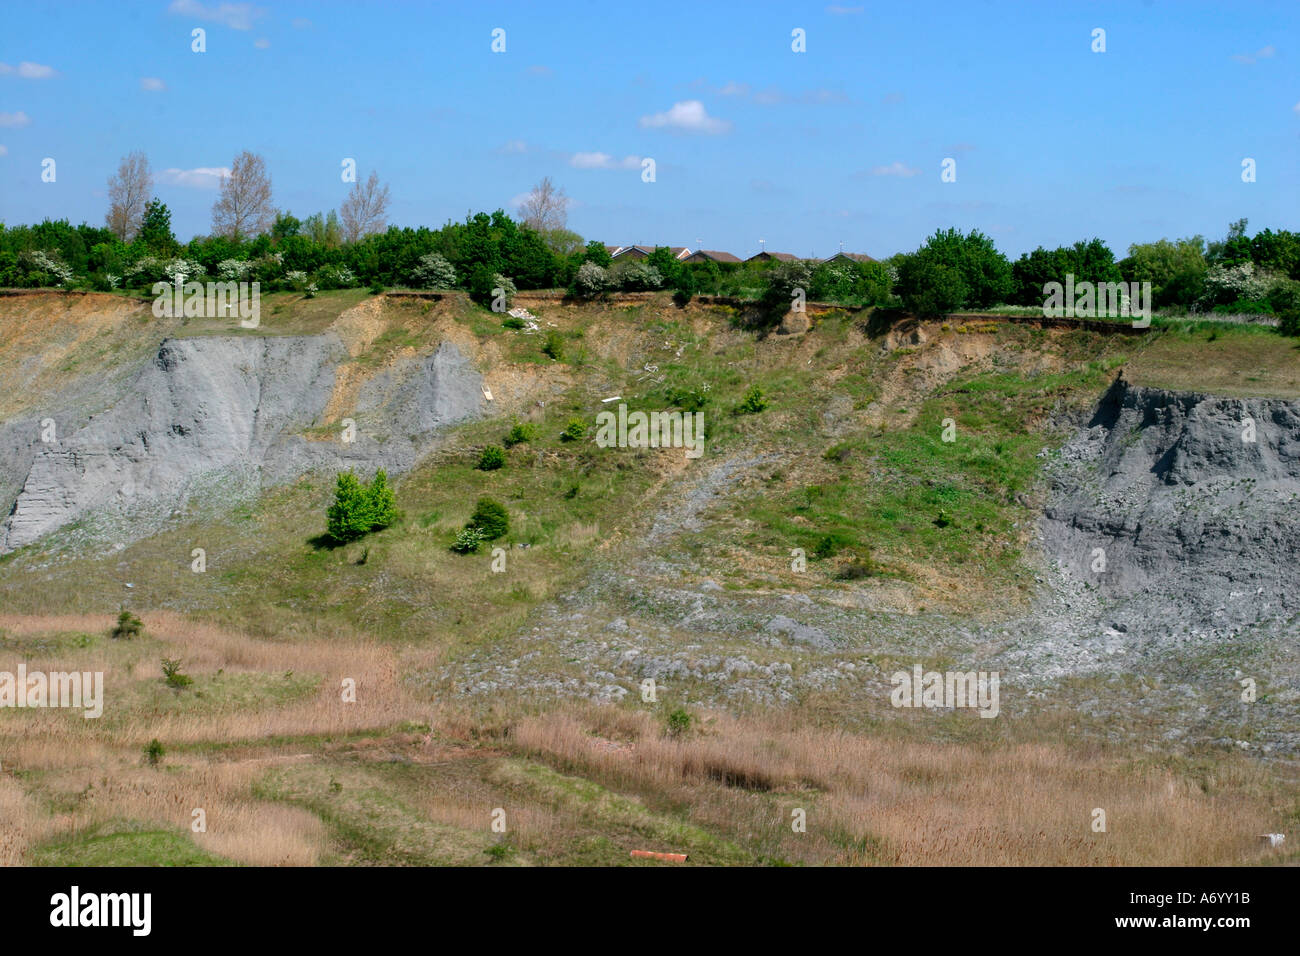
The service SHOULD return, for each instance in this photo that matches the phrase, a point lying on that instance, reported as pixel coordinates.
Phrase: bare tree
(547, 207)
(244, 209)
(365, 210)
(128, 192)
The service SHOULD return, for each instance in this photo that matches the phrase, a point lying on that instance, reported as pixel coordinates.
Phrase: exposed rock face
(226, 415)
(1195, 502)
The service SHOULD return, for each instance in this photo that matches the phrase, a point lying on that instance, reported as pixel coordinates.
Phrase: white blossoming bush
(143, 271)
(183, 270)
(233, 270)
(591, 280)
(335, 277)
(311, 290)
(506, 285)
(52, 265)
(113, 280)
(1228, 284)
(433, 272)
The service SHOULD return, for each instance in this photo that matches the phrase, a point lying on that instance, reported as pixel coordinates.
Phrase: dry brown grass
(872, 801)
(869, 800)
(97, 763)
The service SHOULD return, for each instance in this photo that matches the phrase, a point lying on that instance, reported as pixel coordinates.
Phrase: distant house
(850, 257)
(766, 256)
(642, 252)
(613, 250)
(711, 255)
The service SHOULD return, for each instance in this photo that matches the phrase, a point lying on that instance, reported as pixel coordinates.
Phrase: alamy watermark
(1091, 300)
(75, 689)
(215, 300)
(951, 689)
(651, 430)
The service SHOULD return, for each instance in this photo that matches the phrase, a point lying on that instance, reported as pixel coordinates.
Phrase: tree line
(355, 246)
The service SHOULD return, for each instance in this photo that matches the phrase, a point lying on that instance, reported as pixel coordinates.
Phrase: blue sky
(751, 141)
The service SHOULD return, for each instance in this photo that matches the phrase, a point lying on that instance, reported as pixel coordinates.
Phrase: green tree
(931, 288)
(348, 517)
(284, 226)
(383, 505)
(1176, 270)
(359, 509)
(156, 229)
(984, 274)
(598, 254)
(1090, 261)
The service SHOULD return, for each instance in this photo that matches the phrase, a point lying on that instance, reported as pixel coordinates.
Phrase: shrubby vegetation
(359, 509)
(489, 522)
(951, 271)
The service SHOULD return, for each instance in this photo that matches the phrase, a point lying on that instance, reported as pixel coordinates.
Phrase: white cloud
(734, 89)
(15, 120)
(688, 116)
(838, 11)
(515, 146)
(205, 177)
(151, 84)
(603, 161)
(1296, 107)
(29, 71)
(301, 23)
(1263, 53)
(541, 70)
(895, 169)
(4, 150)
(262, 43)
(237, 16)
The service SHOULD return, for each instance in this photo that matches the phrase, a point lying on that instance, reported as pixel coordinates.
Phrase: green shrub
(859, 567)
(688, 399)
(553, 345)
(575, 430)
(127, 626)
(376, 288)
(492, 458)
(679, 721)
(359, 509)
(154, 752)
(172, 673)
(827, 546)
(512, 322)
(753, 402)
(521, 432)
(383, 506)
(491, 518)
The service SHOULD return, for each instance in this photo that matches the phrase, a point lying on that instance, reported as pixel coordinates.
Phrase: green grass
(125, 843)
